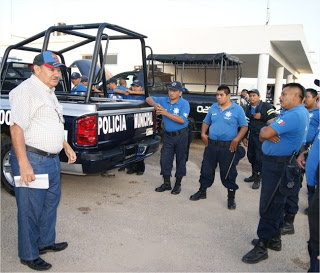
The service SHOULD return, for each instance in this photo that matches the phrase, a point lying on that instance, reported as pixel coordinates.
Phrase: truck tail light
(86, 130)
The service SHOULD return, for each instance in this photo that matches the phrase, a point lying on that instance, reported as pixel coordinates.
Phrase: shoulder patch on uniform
(280, 121)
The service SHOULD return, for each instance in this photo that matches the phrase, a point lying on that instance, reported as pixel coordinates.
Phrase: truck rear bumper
(96, 162)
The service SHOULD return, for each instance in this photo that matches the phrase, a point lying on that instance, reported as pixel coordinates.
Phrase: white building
(268, 52)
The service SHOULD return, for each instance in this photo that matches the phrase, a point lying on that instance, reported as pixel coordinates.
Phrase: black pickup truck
(201, 74)
(104, 133)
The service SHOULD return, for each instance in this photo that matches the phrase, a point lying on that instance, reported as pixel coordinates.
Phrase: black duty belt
(273, 158)
(176, 133)
(220, 143)
(40, 152)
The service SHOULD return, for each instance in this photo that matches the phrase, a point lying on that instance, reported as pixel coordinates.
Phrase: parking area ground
(118, 223)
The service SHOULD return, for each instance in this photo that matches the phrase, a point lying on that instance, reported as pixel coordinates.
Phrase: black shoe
(140, 172)
(163, 187)
(257, 254)
(231, 199)
(54, 247)
(200, 194)
(131, 171)
(37, 264)
(256, 185)
(274, 243)
(250, 178)
(256, 176)
(177, 186)
(232, 204)
(176, 189)
(288, 227)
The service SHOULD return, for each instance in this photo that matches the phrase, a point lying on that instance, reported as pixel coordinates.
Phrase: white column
(263, 68)
(278, 85)
(289, 78)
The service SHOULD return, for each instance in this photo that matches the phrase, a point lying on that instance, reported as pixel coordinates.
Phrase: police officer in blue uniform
(311, 166)
(78, 87)
(223, 121)
(281, 139)
(114, 92)
(257, 113)
(175, 111)
(291, 207)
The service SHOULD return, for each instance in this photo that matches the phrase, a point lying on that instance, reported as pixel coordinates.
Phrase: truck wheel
(6, 171)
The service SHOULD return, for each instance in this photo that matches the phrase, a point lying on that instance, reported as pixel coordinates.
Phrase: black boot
(200, 194)
(166, 186)
(231, 197)
(258, 253)
(288, 227)
(255, 175)
(274, 243)
(256, 185)
(257, 179)
(177, 186)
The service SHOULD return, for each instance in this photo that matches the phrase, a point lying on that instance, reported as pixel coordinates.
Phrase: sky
(21, 18)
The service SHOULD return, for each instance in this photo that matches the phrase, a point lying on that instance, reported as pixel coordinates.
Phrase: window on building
(112, 59)
(87, 57)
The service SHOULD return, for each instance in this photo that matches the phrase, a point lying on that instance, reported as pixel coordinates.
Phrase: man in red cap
(37, 132)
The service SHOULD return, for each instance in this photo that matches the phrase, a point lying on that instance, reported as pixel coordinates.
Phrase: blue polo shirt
(133, 97)
(179, 108)
(224, 124)
(80, 89)
(313, 125)
(112, 95)
(292, 126)
(312, 162)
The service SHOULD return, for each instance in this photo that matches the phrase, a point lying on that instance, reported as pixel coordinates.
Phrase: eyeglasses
(61, 118)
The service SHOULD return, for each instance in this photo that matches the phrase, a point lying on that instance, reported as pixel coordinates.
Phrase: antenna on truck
(268, 13)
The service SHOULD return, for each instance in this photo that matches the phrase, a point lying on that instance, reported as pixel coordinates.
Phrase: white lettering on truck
(143, 120)
(112, 124)
(5, 117)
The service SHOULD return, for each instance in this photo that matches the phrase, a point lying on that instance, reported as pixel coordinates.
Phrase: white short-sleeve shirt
(35, 108)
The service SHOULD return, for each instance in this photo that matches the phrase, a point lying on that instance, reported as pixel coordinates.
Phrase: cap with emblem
(75, 75)
(48, 59)
(137, 83)
(254, 91)
(175, 86)
(114, 80)
(84, 78)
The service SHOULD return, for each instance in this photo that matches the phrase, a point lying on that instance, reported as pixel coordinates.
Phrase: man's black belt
(176, 133)
(40, 152)
(273, 158)
(220, 143)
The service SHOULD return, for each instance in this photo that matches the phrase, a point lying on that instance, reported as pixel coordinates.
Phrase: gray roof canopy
(196, 59)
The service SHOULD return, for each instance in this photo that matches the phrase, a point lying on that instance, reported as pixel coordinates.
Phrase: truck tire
(6, 171)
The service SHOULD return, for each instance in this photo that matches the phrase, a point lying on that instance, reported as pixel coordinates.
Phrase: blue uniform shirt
(224, 124)
(133, 97)
(80, 89)
(312, 162)
(180, 108)
(313, 125)
(112, 95)
(292, 126)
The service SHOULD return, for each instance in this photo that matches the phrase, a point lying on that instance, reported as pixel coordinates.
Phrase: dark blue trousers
(270, 221)
(174, 145)
(211, 157)
(254, 153)
(37, 208)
